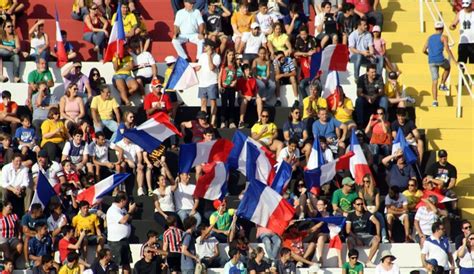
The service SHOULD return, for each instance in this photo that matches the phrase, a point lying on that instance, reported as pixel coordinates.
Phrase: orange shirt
(10, 108)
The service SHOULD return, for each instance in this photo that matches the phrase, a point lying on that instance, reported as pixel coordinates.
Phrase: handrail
(462, 71)
(440, 18)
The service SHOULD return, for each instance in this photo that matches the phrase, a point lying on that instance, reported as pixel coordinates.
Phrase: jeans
(306, 4)
(359, 59)
(14, 57)
(111, 125)
(363, 109)
(183, 38)
(381, 220)
(98, 39)
(54, 150)
(272, 244)
(184, 213)
(44, 55)
(228, 105)
(303, 87)
(266, 91)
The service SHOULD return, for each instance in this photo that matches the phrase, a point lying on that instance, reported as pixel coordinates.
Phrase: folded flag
(211, 184)
(331, 90)
(265, 207)
(153, 132)
(116, 38)
(94, 193)
(263, 159)
(44, 191)
(400, 143)
(183, 76)
(60, 47)
(358, 164)
(322, 175)
(441, 198)
(193, 154)
(282, 177)
(335, 225)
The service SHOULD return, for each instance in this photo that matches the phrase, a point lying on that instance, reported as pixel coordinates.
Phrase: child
(8, 110)
(247, 86)
(70, 174)
(379, 47)
(26, 136)
(6, 151)
(99, 150)
(227, 83)
(395, 92)
(72, 264)
(71, 54)
(77, 152)
(152, 244)
(8, 267)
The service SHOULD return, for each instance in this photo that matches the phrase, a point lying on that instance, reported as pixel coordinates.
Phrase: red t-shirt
(151, 100)
(11, 107)
(62, 247)
(364, 6)
(247, 86)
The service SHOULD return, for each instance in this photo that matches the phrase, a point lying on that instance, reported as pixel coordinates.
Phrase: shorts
(249, 57)
(121, 253)
(174, 262)
(124, 77)
(400, 218)
(434, 68)
(92, 240)
(285, 81)
(365, 237)
(209, 92)
(145, 80)
(465, 53)
(173, 96)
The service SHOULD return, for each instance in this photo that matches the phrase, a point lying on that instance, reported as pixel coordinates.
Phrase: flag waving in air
(335, 225)
(211, 184)
(102, 188)
(401, 143)
(44, 191)
(358, 163)
(183, 76)
(193, 154)
(60, 47)
(117, 37)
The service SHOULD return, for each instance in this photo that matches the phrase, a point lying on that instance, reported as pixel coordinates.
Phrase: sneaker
(434, 104)
(140, 191)
(232, 125)
(223, 125)
(150, 192)
(385, 240)
(3, 79)
(369, 264)
(241, 125)
(443, 87)
(410, 99)
(299, 264)
(278, 103)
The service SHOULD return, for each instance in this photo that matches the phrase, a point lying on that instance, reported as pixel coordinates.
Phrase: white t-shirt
(284, 153)
(75, 159)
(379, 270)
(206, 76)
(466, 27)
(53, 172)
(146, 59)
(467, 261)
(183, 196)
(318, 21)
(54, 224)
(266, 21)
(166, 201)
(101, 153)
(402, 200)
(253, 43)
(436, 252)
(116, 230)
(15, 178)
(426, 219)
(206, 248)
(188, 21)
(130, 150)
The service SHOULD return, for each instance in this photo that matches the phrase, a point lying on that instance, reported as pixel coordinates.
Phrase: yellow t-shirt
(390, 91)
(272, 128)
(90, 222)
(122, 63)
(49, 126)
(6, 4)
(104, 107)
(242, 21)
(413, 198)
(87, 3)
(66, 270)
(341, 115)
(315, 106)
(129, 21)
(278, 43)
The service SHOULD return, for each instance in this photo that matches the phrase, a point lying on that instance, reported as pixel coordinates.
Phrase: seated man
(396, 206)
(359, 230)
(16, 184)
(334, 131)
(188, 27)
(426, 216)
(398, 171)
(77, 152)
(132, 158)
(410, 131)
(207, 247)
(70, 51)
(251, 43)
(40, 245)
(343, 198)
(370, 95)
(8, 110)
(221, 220)
(41, 74)
(285, 264)
(325, 25)
(88, 222)
(285, 73)
(103, 106)
(99, 151)
(443, 174)
(241, 21)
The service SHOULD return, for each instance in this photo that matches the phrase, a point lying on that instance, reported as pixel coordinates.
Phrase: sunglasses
(353, 258)
(95, 74)
(264, 116)
(366, 181)
(300, 185)
(467, 227)
(8, 26)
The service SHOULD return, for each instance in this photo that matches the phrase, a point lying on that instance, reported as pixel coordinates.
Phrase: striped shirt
(8, 225)
(174, 237)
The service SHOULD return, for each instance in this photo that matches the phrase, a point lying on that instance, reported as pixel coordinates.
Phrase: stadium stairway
(443, 130)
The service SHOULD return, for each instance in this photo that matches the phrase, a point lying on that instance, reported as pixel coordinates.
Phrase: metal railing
(462, 71)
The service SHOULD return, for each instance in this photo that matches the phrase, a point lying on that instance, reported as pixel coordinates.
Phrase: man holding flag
(399, 172)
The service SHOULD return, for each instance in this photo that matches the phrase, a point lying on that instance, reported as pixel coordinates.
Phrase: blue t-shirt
(327, 130)
(397, 177)
(67, 46)
(187, 262)
(295, 130)
(37, 247)
(30, 222)
(26, 135)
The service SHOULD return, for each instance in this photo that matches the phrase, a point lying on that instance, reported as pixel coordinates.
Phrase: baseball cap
(218, 203)
(43, 154)
(432, 262)
(376, 29)
(347, 181)
(466, 3)
(170, 59)
(254, 25)
(201, 115)
(392, 75)
(156, 83)
(190, 1)
(442, 153)
(439, 25)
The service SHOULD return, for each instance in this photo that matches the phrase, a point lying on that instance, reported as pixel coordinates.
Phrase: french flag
(282, 177)
(44, 191)
(153, 132)
(332, 58)
(117, 38)
(358, 163)
(183, 76)
(262, 157)
(331, 90)
(316, 157)
(61, 50)
(335, 225)
(263, 206)
(441, 198)
(320, 176)
(212, 184)
(400, 143)
(193, 154)
(94, 193)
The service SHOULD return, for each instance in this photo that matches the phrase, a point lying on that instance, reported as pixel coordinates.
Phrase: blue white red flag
(358, 164)
(193, 154)
(60, 47)
(44, 191)
(400, 143)
(116, 38)
(94, 193)
(211, 185)
(282, 177)
(183, 76)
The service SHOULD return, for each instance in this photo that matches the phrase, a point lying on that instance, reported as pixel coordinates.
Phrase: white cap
(254, 25)
(376, 29)
(170, 59)
(466, 3)
(439, 25)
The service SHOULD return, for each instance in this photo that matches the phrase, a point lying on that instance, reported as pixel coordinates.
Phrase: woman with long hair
(128, 122)
(95, 30)
(95, 81)
(379, 130)
(10, 50)
(227, 82)
(164, 202)
(261, 70)
(466, 253)
(72, 107)
(39, 41)
(54, 134)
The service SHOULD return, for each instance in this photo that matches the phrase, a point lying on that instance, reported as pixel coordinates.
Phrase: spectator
(189, 257)
(370, 95)
(334, 131)
(170, 62)
(398, 171)
(465, 231)
(285, 74)
(247, 86)
(358, 230)
(207, 74)
(10, 50)
(79, 9)
(89, 223)
(164, 203)
(285, 264)
(413, 195)
(56, 221)
(8, 109)
(122, 79)
(28, 223)
(305, 47)
(343, 110)
(380, 136)
(95, 81)
(8, 266)
(36, 78)
(26, 137)
(188, 27)
(11, 8)
(130, 23)
(257, 264)
(216, 14)
(16, 185)
(71, 265)
(221, 220)
(10, 241)
(361, 48)
(132, 159)
(294, 21)
(54, 133)
(261, 71)
(141, 33)
(119, 229)
(380, 50)
(279, 41)
(39, 44)
(72, 107)
(50, 168)
(344, 198)
(95, 30)
(234, 265)
(68, 244)
(371, 196)
(312, 104)
(395, 93)
(102, 108)
(241, 21)
(186, 204)
(325, 25)
(145, 69)
(207, 247)
(149, 263)
(267, 133)
(251, 42)
(426, 216)
(197, 127)
(347, 20)
(73, 75)
(368, 9)
(396, 206)
(410, 131)
(156, 101)
(270, 240)
(466, 38)
(39, 245)
(291, 155)
(6, 151)
(103, 264)
(265, 18)
(172, 238)
(99, 151)
(444, 175)
(293, 238)
(437, 247)
(296, 129)
(46, 266)
(434, 47)
(386, 264)
(43, 101)
(465, 254)
(128, 119)
(227, 86)
(68, 47)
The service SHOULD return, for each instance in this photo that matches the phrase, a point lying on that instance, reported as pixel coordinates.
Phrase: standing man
(466, 32)
(119, 228)
(437, 247)
(188, 27)
(434, 47)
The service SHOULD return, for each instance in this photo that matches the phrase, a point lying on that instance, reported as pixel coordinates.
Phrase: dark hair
(401, 111)
(436, 226)
(225, 61)
(353, 252)
(67, 92)
(39, 225)
(102, 253)
(347, 7)
(284, 251)
(78, 132)
(357, 199)
(363, 19)
(262, 3)
(189, 222)
(36, 207)
(325, 3)
(6, 94)
(303, 28)
(99, 134)
(66, 229)
(393, 191)
(233, 252)
(53, 205)
(464, 221)
(294, 7)
(121, 196)
(24, 117)
(323, 139)
(293, 141)
(290, 117)
(208, 130)
(63, 32)
(245, 66)
(371, 66)
(201, 227)
(171, 220)
(52, 111)
(16, 155)
(64, 162)
(151, 233)
(279, 52)
(46, 258)
(103, 88)
(72, 256)
(83, 203)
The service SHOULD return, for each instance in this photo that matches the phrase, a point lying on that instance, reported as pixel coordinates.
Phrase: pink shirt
(378, 45)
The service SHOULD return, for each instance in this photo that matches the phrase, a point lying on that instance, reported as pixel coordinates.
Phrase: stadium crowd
(246, 52)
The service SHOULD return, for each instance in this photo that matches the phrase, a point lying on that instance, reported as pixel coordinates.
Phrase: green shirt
(353, 270)
(223, 221)
(344, 202)
(35, 77)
